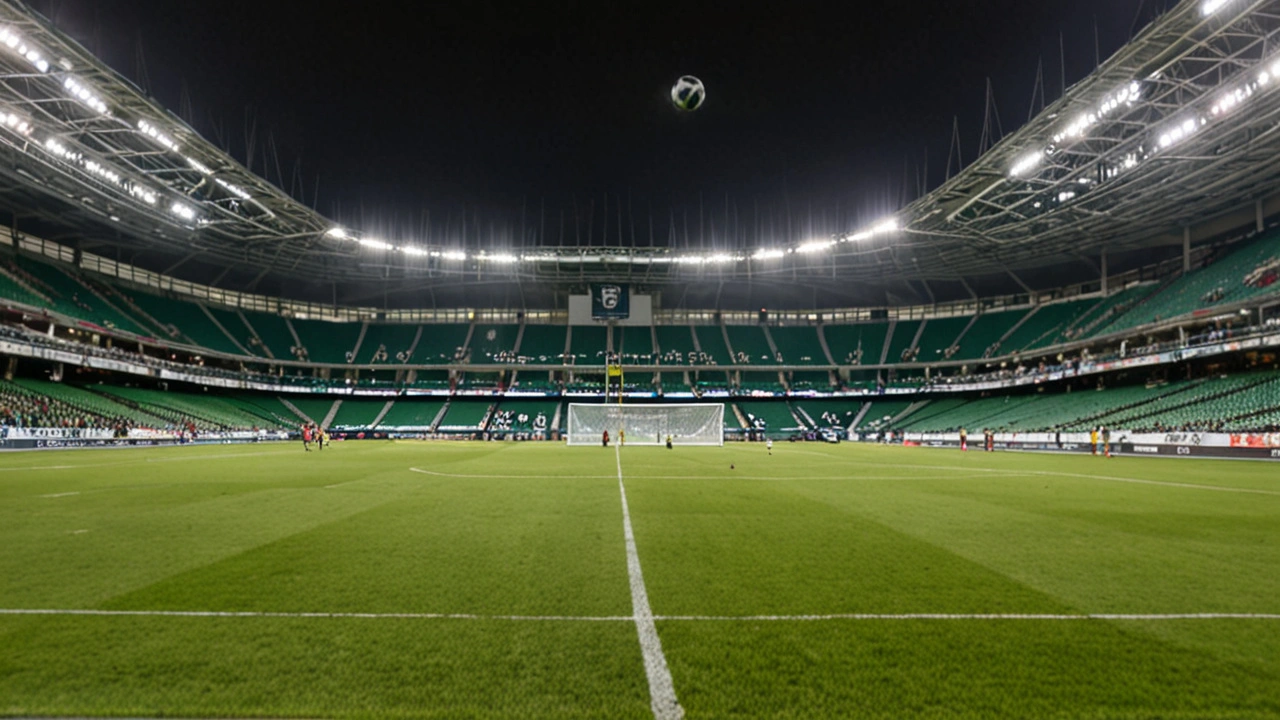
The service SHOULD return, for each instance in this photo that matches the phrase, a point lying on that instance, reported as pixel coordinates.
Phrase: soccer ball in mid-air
(688, 93)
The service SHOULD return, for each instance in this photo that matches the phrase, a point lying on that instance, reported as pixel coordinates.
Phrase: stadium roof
(1178, 126)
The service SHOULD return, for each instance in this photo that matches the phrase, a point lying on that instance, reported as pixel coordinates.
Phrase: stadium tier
(391, 344)
(860, 344)
(1238, 275)
(827, 414)
(798, 345)
(589, 345)
(634, 345)
(465, 416)
(901, 346)
(440, 343)
(711, 344)
(493, 343)
(543, 344)
(982, 339)
(358, 414)
(675, 345)
(69, 296)
(329, 342)
(938, 340)
(524, 416)
(1043, 326)
(750, 345)
(188, 320)
(412, 415)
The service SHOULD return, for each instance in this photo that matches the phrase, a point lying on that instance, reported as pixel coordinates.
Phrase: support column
(1104, 272)
(1257, 212)
(1186, 248)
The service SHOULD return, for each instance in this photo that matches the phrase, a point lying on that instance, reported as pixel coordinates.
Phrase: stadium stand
(523, 416)
(900, 347)
(1096, 320)
(543, 343)
(675, 343)
(589, 345)
(1240, 274)
(750, 346)
(805, 380)
(938, 341)
(822, 414)
(12, 289)
(493, 344)
(328, 342)
(465, 415)
(798, 345)
(440, 343)
(408, 415)
(883, 415)
(69, 296)
(711, 340)
(357, 414)
(982, 339)
(859, 344)
(25, 407)
(391, 344)
(1043, 326)
(774, 418)
(317, 409)
(188, 320)
(634, 344)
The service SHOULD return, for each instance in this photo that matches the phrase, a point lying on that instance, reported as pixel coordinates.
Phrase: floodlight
(375, 244)
(815, 246)
(768, 254)
(337, 232)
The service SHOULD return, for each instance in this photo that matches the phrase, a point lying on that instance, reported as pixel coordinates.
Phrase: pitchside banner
(610, 301)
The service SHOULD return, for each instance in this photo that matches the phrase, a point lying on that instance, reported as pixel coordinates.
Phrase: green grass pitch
(338, 563)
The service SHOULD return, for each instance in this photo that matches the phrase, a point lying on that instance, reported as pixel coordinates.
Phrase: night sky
(532, 115)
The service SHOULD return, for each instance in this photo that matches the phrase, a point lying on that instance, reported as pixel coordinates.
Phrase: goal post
(691, 424)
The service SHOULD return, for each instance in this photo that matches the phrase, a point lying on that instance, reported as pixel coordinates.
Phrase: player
(768, 445)
(1106, 441)
(668, 442)
(622, 436)
(1093, 441)
(322, 437)
(605, 439)
(990, 437)
(964, 439)
(306, 438)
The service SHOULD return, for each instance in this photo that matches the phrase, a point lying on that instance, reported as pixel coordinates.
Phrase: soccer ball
(688, 93)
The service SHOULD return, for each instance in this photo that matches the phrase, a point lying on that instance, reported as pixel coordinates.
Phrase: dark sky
(405, 108)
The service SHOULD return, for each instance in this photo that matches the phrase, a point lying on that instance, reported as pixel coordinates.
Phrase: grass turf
(536, 530)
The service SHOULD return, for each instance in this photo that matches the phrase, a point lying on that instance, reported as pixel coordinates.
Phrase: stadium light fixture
(154, 133)
(337, 233)
(414, 251)
(234, 189)
(375, 244)
(14, 41)
(183, 211)
(499, 258)
(456, 255)
(1026, 164)
(1212, 6)
(15, 123)
(815, 246)
(82, 93)
(199, 166)
(768, 254)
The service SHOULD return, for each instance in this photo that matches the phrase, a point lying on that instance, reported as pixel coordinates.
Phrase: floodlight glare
(337, 232)
(768, 254)
(1212, 6)
(815, 246)
(1026, 164)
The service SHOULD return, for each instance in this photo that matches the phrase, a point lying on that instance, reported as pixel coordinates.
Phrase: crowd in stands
(1265, 274)
(854, 358)
(20, 408)
(511, 420)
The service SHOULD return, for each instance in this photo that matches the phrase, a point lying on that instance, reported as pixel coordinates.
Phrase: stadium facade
(1122, 242)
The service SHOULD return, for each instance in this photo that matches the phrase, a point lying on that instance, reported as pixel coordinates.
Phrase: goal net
(701, 424)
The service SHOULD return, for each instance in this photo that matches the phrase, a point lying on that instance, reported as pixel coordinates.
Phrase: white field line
(662, 690)
(58, 495)
(867, 617)
(187, 458)
(772, 478)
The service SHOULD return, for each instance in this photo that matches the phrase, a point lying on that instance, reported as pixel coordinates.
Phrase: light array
(82, 93)
(183, 211)
(14, 42)
(719, 258)
(1212, 6)
(15, 123)
(155, 134)
(234, 189)
(99, 170)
